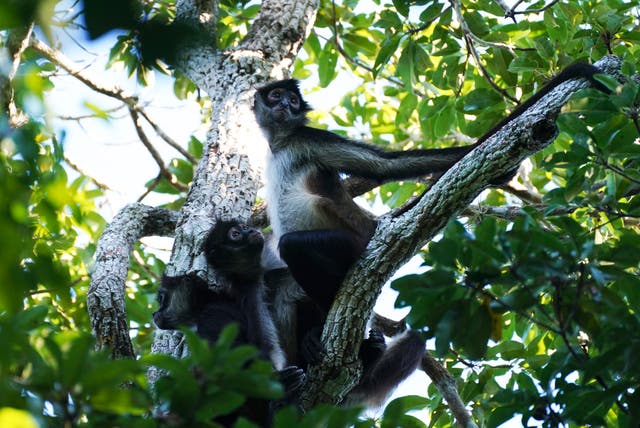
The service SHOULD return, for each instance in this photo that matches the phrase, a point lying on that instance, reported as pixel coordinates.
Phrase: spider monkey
(234, 250)
(319, 230)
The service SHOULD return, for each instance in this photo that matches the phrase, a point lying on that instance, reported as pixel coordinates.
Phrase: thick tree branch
(202, 14)
(105, 298)
(397, 239)
(279, 32)
(198, 58)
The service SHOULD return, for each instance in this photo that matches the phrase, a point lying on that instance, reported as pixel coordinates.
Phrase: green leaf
(395, 414)
(431, 12)
(402, 6)
(221, 403)
(358, 44)
(405, 110)
(327, 61)
(444, 252)
(182, 169)
(476, 334)
(388, 48)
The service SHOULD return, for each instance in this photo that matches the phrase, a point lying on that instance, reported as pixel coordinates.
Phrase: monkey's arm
(369, 161)
(390, 367)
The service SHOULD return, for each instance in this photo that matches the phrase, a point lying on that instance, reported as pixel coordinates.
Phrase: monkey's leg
(319, 260)
(396, 363)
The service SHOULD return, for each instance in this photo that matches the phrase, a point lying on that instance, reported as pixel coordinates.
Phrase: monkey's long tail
(399, 361)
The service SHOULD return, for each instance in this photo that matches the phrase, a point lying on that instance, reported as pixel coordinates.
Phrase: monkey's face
(241, 250)
(242, 236)
(235, 251)
(178, 302)
(284, 103)
(280, 105)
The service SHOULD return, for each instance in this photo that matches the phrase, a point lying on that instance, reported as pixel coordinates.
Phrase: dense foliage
(532, 298)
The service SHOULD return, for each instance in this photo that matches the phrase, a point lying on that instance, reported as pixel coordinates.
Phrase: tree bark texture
(105, 298)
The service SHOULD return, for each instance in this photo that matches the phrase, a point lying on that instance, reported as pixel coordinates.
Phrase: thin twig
(164, 171)
(523, 314)
(116, 92)
(530, 11)
(466, 31)
(74, 166)
(170, 141)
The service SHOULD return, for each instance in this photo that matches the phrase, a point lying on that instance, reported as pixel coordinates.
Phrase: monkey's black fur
(320, 231)
(234, 250)
(310, 210)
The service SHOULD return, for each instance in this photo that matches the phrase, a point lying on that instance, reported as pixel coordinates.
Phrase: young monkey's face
(234, 250)
(174, 304)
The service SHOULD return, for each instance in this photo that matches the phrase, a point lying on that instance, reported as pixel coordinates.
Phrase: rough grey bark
(16, 41)
(105, 298)
(398, 238)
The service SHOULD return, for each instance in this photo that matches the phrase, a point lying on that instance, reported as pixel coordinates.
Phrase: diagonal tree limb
(397, 239)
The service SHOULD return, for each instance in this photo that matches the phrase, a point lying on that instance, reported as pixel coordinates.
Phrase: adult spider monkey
(319, 229)
(235, 251)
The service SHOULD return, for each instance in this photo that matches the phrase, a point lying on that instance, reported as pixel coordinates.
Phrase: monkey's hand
(373, 347)
(311, 347)
(292, 379)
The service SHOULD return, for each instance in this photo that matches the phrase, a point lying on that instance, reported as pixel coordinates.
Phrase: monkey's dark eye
(235, 234)
(295, 101)
(275, 95)
(161, 297)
